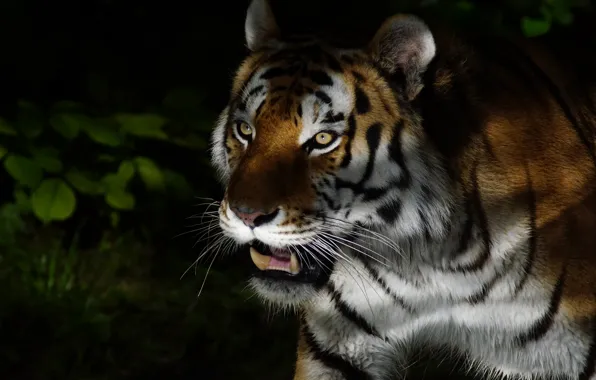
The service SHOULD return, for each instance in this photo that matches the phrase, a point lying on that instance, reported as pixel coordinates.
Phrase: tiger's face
(312, 147)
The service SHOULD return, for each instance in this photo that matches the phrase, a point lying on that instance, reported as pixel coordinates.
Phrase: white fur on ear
(260, 26)
(404, 42)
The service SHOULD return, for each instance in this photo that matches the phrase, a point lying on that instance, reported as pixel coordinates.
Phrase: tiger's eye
(244, 130)
(323, 138)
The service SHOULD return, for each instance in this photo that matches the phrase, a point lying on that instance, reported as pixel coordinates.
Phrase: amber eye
(244, 130)
(323, 139)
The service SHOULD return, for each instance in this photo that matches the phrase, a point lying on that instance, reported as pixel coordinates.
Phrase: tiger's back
(430, 189)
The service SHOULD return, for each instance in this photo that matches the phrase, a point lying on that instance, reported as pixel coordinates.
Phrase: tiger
(429, 189)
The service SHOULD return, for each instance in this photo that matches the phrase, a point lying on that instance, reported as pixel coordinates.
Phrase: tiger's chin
(286, 278)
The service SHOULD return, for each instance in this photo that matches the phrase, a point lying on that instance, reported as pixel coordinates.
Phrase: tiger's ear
(260, 27)
(404, 42)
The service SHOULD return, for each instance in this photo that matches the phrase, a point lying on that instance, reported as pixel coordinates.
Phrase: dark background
(105, 113)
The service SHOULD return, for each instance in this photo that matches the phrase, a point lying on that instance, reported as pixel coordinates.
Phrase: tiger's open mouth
(284, 264)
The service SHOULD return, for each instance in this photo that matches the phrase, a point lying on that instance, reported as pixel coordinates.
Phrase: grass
(119, 310)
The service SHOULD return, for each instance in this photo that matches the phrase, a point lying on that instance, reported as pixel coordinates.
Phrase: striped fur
(457, 207)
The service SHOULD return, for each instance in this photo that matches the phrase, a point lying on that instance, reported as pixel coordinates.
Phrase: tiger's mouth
(285, 264)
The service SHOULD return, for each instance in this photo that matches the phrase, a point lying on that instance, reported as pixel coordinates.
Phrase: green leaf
(47, 158)
(114, 218)
(6, 128)
(120, 179)
(150, 173)
(564, 18)
(53, 200)
(24, 170)
(103, 132)
(68, 125)
(111, 180)
(120, 199)
(561, 13)
(50, 164)
(143, 125)
(126, 171)
(533, 27)
(3, 152)
(22, 200)
(83, 183)
(30, 120)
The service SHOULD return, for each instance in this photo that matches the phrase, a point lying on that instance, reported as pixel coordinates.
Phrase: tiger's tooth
(294, 265)
(261, 261)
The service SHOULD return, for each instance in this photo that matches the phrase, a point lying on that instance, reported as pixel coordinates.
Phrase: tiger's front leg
(310, 366)
(360, 359)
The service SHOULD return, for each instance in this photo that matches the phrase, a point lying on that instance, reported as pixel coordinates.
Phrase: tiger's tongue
(280, 260)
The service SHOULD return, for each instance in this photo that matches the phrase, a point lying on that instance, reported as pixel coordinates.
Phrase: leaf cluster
(59, 155)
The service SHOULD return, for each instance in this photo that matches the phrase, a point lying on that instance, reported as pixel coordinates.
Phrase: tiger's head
(321, 152)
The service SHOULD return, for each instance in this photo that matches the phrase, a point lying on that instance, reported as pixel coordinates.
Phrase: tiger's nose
(253, 217)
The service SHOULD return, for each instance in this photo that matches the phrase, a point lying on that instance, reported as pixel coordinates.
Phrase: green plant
(550, 12)
(60, 155)
(532, 17)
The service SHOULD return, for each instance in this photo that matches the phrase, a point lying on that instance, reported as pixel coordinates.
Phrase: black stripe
(475, 207)
(390, 212)
(259, 109)
(330, 117)
(350, 136)
(226, 135)
(362, 102)
(465, 237)
(359, 77)
(481, 295)
(349, 313)
(332, 360)
(240, 105)
(320, 77)
(425, 225)
(532, 239)
(254, 91)
(590, 361)
(377, 277)
(327, 199)
(275, 72)
(373, 139)
(543, 324)
(323, 97)
(247, 81)
(565, 107)
(374, 193)
(396, 153)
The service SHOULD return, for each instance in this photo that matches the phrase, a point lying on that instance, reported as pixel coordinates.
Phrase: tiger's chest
(369, 307)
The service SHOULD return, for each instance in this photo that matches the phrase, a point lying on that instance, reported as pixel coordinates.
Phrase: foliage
(69, 152)
(532, 17)
(131, 319)
(548, 13)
